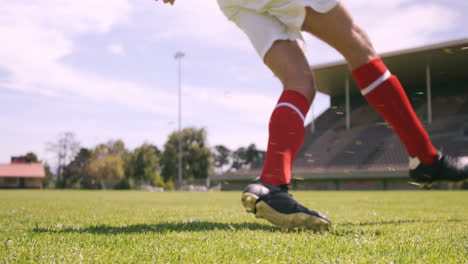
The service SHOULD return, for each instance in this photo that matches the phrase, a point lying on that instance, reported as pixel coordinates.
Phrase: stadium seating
(371, 145)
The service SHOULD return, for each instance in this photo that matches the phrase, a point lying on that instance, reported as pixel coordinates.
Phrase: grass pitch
(180, 227)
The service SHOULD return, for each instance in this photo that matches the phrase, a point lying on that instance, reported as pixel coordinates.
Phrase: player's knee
(363, 40)
(311, 92)
(360, 49)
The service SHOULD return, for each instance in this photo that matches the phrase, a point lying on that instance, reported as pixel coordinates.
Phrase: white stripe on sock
(414, 162)
(376, 83)
(293, 107)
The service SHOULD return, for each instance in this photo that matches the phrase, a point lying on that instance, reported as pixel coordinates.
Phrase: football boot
(277, 206)
(444, 169)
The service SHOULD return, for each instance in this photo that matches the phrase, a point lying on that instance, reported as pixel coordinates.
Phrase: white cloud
(116, 49)
(32, 56)
(400, 24)
(413, 26)
(37, 43)
(196, 20)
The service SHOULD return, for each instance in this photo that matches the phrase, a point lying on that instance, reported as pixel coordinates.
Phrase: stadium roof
(447, 61)
(22, 170)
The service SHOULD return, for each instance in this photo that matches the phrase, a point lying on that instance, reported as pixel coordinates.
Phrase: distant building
(21, 173)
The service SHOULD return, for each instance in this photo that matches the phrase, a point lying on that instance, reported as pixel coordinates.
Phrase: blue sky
(105, 69)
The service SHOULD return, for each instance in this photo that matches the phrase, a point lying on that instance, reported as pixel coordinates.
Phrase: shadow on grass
(340, 229)
(195, 226)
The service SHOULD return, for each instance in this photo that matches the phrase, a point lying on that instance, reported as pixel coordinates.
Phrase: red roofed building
(21, 175)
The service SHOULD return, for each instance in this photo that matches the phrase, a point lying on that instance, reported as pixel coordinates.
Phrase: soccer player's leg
(385, 94)
(268, 197)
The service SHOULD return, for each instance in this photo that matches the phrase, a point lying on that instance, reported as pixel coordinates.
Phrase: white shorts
(266, 21)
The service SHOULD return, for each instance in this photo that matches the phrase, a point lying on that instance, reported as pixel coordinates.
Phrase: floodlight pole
(179, 56)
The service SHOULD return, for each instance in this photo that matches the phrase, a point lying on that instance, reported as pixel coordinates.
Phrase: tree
(196, 156)
(253, 156)
(238, 159)
(32, 157)
(75, 173)
(106, 167)
(48, 179)
(65, 149)
(112, 147)
(142, 166)
(221, 156)
(169, 158)
(246, 158)
(107, 170)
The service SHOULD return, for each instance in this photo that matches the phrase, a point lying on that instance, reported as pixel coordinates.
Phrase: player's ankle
(428, 157)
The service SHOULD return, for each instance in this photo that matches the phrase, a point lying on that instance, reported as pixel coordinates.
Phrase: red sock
(286, 135)
(385, 94)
